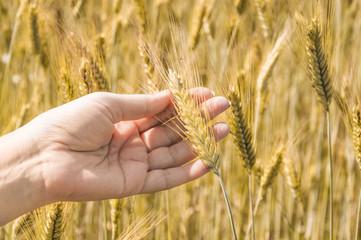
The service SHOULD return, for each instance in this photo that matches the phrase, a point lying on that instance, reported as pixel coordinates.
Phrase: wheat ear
(291, 179)
(147, 65)
(262, 18)
(317, 64)
(67, 91)
(197, 129)
(23, 224)
(36, 41)
(86, 84)
(240, 5)
(241, 132)
(197, 23)
(35, 38)
(99, 77)
(100, 46)
(263, 77)
(54, 229)
(356, 133)
(199, 135)
(142, 14)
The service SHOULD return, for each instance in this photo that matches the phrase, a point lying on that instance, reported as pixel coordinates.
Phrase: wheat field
(291, 70)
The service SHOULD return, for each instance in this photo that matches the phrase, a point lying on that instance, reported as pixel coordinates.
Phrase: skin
(101, 146)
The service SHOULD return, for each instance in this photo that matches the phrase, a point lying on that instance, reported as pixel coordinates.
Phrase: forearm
(21, 184)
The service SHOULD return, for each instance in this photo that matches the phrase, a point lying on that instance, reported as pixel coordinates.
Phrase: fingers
(166, 135)
(180, 153)
(122, 107)
(158, 180)
(199, 94)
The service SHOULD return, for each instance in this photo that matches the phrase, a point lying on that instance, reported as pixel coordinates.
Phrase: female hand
(104, 146)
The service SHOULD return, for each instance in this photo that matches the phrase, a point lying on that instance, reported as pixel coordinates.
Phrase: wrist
(21, 178)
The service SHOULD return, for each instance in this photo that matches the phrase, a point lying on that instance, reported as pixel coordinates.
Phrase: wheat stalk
(321, 82)
(198, 134)
(356, 136)
(242, 137)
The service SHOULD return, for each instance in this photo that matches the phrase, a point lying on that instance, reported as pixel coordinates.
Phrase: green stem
(358, 215)
(251, 202)
(228, 205)
(331, 173)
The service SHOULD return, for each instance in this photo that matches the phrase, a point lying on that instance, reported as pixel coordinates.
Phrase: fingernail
(230, 104)
(213, 94)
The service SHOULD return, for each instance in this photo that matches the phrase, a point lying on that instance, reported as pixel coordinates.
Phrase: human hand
(108, 145)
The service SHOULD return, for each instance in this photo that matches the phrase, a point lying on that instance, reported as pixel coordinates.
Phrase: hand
(108, 145)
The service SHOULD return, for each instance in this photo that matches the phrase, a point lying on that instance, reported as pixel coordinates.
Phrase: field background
(49, 49)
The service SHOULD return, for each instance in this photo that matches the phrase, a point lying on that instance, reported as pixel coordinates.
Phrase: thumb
(124, 107)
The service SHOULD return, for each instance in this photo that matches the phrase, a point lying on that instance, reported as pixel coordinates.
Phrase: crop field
(291, 70)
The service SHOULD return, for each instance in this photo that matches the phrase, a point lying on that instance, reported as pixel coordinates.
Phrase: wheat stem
(358, 215)
(251, 203)
(331, 173)
(227, 203)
